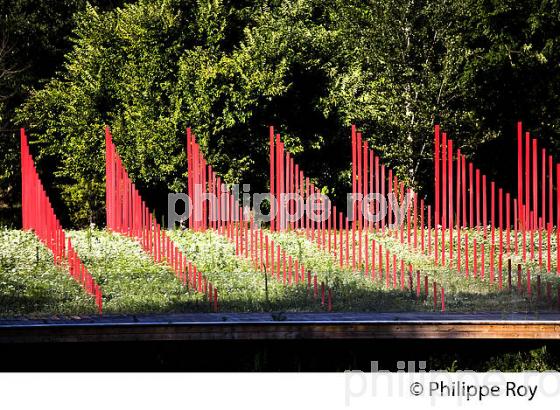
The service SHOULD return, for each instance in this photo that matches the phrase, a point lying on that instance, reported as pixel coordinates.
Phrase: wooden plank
(278, 331)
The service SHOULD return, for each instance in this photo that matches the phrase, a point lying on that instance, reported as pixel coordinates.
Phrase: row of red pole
(370, 175)
(452, 205)
(463, 199)
(38, 216)
(202, 179)
(286, 177)
(348, 243)
(235, 223)
(536, 201)
(129, 215)
(459, 197)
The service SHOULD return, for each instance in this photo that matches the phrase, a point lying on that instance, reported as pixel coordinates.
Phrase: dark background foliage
(230, 68)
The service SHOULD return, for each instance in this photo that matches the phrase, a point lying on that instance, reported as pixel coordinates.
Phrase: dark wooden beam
(103, 332)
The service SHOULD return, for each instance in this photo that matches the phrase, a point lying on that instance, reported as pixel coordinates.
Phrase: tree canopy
(229, 69)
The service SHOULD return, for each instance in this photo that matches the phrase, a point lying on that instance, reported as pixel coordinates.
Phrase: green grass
(479, 294)
(241, 287)
(30, 283)
(130, 280)
(132, 283)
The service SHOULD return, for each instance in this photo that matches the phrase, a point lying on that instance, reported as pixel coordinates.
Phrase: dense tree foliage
(34, 37)
(230, 68)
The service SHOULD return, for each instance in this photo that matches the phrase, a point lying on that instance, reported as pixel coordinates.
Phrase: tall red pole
(450, 182)
(508, 223)
(484, 205)
(519, 166)
(526, 205)
(535, 194)
(358, 215)
(558, 218)
(436, 175)
(471, 196)
(464, 186)
(477, 183)
(444, 185)
(492, 210)
(272, 177)
(543, 186)
(354, 143)
(458, 191)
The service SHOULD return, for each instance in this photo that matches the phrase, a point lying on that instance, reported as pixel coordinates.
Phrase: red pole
(519, 166)
(548, 248)
(408, 222)
(450, 182)
(357, 216)
(471, 195)
(450, 189)
(492, 210)
(558, 218)
(501, 247)
(535, 195)
(436, 174)
(366, 255)
(340, 229)
(278, 162)
(508, 223)
(467, 254)
(382, 183)
(539, 227)
(272, 146)
(484, 205)
(365, 178)
(377, 186)
(477, 183)
(464, 185)
(527, 186)
(347, 244)
(458, 191)
(444, 195)
(543, 186)
(373, 259)
(24, 180)
(550, 183)
(390, 191)
(422, 224)
(380, 252)
(189, 171)
(354, 149)
(415, 219)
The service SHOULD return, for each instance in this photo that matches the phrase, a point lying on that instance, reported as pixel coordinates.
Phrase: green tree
(311, 68)
(34, 38)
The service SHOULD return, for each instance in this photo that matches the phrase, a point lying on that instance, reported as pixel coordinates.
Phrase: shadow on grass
(348, 298)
